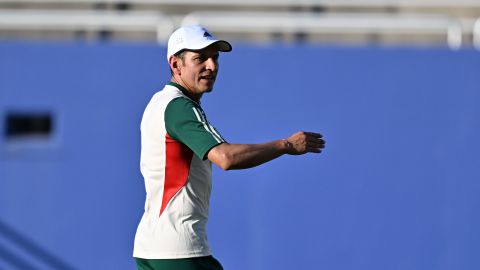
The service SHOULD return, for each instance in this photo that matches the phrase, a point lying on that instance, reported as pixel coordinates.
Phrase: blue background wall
(396, 188)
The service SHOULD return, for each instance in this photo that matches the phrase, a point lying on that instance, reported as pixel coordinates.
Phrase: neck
(191, 94)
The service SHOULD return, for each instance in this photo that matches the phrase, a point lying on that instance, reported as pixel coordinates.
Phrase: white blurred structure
(454, 23)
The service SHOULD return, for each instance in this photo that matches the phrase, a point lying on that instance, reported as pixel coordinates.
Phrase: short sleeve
(186, 122)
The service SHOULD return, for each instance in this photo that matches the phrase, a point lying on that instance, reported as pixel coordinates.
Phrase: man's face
(198, 70)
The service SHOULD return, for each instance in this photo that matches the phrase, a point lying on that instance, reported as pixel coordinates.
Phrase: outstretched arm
(242, 156)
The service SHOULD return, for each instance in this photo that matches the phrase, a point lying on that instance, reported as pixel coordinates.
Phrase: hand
(304, 142)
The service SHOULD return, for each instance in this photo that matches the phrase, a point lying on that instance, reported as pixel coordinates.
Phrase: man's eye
(205, 58)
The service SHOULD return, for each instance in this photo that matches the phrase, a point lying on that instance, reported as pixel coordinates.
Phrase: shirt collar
(184, 91)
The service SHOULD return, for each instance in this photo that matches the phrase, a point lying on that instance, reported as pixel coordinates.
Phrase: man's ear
(174, 63)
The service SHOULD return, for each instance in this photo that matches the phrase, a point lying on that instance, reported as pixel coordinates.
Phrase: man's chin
(208, 89)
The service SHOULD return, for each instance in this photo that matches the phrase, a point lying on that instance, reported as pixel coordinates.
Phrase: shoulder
(182, 101)
(179, 104)
(182, 109)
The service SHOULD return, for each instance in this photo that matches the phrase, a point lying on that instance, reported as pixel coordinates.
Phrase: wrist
(286, 145)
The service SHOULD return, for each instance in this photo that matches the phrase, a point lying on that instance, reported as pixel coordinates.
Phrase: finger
(314, 134)
(318, 146)
(313, 150)
(316, 140)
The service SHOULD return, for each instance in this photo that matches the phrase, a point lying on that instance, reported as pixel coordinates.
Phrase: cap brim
(220, 45)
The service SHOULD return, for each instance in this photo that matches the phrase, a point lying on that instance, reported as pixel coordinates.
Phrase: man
(179, 145)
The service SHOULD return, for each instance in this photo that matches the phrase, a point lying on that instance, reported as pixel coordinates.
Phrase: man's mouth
(208, 77)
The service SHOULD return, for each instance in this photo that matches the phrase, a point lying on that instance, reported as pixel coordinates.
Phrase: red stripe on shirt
(177, 168)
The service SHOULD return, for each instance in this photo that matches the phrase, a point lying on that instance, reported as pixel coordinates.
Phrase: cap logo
(178, 40)
(206, 34)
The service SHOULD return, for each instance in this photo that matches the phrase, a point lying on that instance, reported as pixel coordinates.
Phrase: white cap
(193, 37)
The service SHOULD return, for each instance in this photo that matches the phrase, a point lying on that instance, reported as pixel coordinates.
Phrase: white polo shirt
(176, 137)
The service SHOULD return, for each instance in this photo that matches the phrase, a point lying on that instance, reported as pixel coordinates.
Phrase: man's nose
(212, 64)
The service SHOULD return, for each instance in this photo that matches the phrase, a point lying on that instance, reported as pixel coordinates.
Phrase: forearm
(242, 156)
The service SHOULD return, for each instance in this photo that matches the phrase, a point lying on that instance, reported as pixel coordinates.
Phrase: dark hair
(181, 55)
